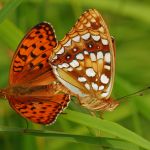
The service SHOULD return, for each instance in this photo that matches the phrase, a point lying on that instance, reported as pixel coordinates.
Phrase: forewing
(30, 62)
(84, 60)
(41, 110)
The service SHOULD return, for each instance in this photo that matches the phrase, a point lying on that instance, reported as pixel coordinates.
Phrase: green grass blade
(142, 105)
(10, 34)
(103, 141)
(107, 126)
(129, 8)
(8, 8)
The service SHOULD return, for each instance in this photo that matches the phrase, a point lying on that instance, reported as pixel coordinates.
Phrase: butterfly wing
(32, 92)
(30, 62)
(42, 110)
(84, 61)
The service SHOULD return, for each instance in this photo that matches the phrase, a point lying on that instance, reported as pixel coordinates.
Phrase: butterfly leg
(101, 114)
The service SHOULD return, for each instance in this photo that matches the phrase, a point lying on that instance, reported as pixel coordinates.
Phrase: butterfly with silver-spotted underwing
(84, 62)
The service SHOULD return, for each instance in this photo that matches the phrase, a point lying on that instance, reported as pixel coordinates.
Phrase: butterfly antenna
(141, 92)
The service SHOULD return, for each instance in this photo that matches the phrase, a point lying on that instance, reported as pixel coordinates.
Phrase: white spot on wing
(104, 79)
(60, 66)
(90, 45)
(76, 38)
(87, 86)
(107, 57)
(65, 65)
(86, 52)
(93, 57)
(104, 42)
(101, 87)
(61, 51)
(94, 86)
(90, 72)
(74, 63)
(86, 36)
(82, 79)
(68, 43)
(96, 37)
(107, 67)
(70, 69)
(104, 94)
(75, 49)
(99, 55)
(80, 56)
(68, 57)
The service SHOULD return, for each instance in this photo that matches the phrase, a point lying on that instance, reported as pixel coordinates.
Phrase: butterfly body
(84, 61)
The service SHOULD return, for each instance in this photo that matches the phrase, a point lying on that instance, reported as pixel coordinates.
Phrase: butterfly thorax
(96, 104)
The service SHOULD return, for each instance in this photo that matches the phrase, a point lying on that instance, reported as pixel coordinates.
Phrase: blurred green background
(128, 22)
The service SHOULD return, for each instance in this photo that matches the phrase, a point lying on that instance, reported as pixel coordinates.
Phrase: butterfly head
(111, 105)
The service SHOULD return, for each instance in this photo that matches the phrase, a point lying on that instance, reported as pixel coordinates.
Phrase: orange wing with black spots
(41, 110)
(30, 62)
(33, 90)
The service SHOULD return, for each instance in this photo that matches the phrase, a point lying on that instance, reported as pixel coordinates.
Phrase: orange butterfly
(84, 62)
(33, 90)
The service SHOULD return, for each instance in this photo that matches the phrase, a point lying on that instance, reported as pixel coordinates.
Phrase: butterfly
(33, 90)
(84, 62)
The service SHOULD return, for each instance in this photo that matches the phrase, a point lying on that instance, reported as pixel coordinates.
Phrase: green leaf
(107, 126)
(8, 8)
(103, 141)
(10, 34)
(136, 10)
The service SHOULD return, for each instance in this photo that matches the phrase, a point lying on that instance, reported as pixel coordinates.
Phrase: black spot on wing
(42, 48)
(21, 56)
(44, 55)
(34, 45)
(17, 68)
(31, 65)
(40, 36)
(37, 32)
(33, 55)
(24, 47)
(40, 65)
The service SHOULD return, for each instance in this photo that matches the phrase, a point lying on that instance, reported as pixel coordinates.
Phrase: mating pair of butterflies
(44, 73)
